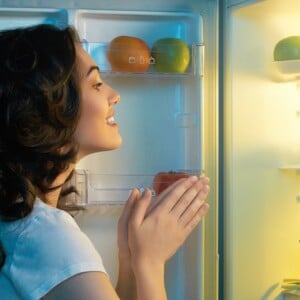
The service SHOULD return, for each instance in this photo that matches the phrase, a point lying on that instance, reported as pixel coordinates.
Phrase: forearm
(126, 287)
(150, 283)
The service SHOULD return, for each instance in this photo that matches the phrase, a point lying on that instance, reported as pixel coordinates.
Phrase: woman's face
(97, 129)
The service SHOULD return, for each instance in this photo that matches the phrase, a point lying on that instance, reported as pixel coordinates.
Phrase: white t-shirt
(42, 250)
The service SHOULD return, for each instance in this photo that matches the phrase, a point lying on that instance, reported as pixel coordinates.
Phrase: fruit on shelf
(128, 54)
(162, 180)
(287, 48)
(171, 55)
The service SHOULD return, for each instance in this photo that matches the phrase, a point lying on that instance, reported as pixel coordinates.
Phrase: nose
(114, 97)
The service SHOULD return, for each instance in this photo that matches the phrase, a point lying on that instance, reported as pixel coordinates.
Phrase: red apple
(164, 179)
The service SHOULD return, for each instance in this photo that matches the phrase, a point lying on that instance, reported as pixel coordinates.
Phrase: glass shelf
(295, 167)
(99, 50)
(108, 189)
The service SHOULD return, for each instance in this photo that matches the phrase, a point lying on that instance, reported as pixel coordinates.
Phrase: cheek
(93, 115)
(94, 106)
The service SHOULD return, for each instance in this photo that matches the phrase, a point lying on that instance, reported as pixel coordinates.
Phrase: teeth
(111, 120)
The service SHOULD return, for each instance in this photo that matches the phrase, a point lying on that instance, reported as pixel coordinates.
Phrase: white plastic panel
(159, 116)
(18, 17)
(149, 25)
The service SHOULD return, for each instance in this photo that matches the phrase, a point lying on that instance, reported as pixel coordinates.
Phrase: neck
(53, 188)
(51, 197)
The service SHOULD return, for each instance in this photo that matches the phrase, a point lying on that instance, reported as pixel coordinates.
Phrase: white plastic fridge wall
(159, 118)
(159, 114)
(159, 121)
(262, 144)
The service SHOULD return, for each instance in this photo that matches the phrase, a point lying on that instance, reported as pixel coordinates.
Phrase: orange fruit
(128, 54)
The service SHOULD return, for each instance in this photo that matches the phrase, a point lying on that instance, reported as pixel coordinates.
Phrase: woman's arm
(83, 286)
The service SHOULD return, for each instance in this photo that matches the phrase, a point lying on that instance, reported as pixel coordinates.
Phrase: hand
(156, 231)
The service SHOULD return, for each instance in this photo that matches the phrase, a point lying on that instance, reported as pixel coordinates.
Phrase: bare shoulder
(87, 285)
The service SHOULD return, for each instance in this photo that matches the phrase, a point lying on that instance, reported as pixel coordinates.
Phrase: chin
(117, 144)
(87, 150)
(112, 147)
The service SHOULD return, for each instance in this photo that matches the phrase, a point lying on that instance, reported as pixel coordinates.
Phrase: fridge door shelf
(295, 167)
(99, 53)
(148, 26)
(113, 189)
(288, 70)
(288, 66)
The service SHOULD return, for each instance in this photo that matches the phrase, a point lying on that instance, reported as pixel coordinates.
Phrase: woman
(54, 110)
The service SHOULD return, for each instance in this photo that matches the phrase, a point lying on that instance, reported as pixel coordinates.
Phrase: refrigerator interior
(160, 116)
(262, 151)
(159, 119)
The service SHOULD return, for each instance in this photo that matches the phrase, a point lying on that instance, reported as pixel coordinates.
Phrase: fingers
(174, 192)
(140, 208)
(183, 199)
(192, 197)
(123, 223)
(194, 205)
(196, 218)
(123, 220)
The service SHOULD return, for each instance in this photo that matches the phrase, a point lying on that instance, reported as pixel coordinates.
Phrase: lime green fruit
(171, 55)
(287, 48)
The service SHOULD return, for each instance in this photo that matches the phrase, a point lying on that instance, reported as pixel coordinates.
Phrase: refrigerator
(234, 113)
(260, 215)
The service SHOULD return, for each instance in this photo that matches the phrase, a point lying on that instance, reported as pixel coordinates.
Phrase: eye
(98, 85)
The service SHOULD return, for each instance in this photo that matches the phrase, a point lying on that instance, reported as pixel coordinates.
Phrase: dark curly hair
(39, 111)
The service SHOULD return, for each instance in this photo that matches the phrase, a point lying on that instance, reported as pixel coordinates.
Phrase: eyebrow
(91, 69)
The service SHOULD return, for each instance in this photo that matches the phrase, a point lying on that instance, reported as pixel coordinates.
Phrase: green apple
(287, 48)
(171, 55)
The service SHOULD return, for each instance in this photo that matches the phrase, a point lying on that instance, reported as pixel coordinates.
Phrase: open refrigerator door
(261, 205)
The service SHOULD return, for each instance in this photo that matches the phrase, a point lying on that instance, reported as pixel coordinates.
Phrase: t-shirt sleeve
(49, 252)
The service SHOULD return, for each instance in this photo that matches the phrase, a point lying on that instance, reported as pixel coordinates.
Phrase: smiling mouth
(111, 120)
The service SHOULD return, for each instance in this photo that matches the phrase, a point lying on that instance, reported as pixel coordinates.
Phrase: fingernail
(205, 207)
(206, 189)
(205, 179)
(193, 178)
(146, 190)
